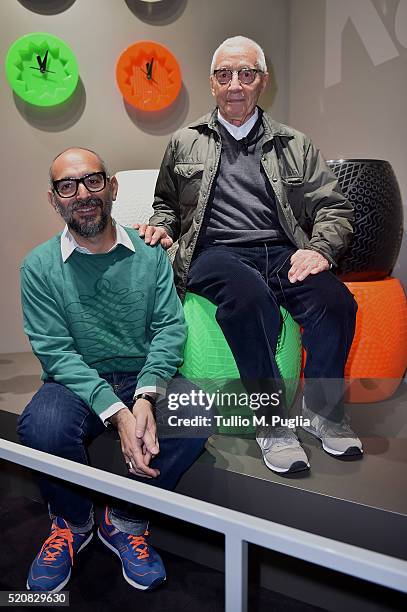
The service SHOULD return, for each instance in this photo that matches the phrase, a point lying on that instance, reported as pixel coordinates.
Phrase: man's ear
(114, 186)
(265, 82)
(51, 198)
(211, 80)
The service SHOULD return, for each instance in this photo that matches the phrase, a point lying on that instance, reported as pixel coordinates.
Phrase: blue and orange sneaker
(142, 565)
(51, 568)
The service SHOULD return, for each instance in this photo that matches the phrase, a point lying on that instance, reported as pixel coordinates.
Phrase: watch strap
(147, 397)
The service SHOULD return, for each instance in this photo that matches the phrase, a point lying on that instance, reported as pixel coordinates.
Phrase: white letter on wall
(368, 25)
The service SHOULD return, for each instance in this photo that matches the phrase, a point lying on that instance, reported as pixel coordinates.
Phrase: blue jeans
(58, 422)
(248, 284)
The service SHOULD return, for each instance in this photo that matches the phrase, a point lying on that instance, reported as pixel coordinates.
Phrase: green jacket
(311, 207)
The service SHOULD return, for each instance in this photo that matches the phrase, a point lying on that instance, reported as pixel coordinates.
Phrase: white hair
(240, 41)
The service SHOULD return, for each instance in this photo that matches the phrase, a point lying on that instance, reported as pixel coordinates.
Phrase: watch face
(41, 69)
(148, 76)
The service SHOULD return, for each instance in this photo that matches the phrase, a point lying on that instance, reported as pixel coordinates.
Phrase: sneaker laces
(277, 437)
(53, 545)
(139, 544)
(333, 429)
(341, 430)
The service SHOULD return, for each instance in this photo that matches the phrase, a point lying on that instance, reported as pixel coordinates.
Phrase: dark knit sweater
(242, 207)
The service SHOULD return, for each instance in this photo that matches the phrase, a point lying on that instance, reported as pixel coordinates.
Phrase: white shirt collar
(69, 244)
(239, 131)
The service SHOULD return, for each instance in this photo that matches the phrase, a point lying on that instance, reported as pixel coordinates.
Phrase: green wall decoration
(42, 69)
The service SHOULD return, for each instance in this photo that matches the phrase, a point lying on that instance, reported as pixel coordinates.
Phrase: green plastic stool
(208, 360)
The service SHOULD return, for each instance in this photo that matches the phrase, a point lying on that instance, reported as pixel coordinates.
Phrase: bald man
(104, 319)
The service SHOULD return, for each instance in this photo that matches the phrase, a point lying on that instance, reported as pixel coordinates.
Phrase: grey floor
(19, 379)
(382, 427)
(359, 502)
(97, 583)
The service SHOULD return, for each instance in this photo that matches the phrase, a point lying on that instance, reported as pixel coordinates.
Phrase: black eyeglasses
(246, 76)
(68, 187)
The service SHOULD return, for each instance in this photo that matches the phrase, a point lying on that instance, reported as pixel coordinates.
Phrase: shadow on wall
(161, 122)
(54, 118)
(47, 7)
(157, 13)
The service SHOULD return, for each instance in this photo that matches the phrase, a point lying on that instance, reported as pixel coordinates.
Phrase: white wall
(348, 82)
(97, 31)
(363, 114)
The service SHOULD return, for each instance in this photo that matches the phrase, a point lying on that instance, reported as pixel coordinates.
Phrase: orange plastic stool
(378, 357)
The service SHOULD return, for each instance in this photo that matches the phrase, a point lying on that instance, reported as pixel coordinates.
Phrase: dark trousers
(248, 284)
(57, 421)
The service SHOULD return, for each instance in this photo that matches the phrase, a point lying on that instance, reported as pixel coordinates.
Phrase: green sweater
(110, 312)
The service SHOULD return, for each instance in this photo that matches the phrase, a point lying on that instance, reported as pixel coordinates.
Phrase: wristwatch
(147, 397)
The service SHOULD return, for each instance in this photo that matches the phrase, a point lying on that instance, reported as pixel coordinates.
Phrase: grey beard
(87, 229)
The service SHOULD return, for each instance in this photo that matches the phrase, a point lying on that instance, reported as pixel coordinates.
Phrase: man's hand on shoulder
(305, 262)
(153, 234)
(138, 435)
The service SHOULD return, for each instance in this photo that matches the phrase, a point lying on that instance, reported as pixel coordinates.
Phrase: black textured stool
(371, 186)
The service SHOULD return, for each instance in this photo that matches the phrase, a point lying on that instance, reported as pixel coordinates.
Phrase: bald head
(75, 158)
(85, 204)
(240, 44)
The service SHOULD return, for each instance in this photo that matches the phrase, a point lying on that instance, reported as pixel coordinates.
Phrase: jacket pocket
(292, 182)
(188, 170)
(189, 178)
(294, 189)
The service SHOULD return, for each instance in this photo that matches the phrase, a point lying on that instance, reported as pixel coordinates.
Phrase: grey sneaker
(338, 439)
(281, 450)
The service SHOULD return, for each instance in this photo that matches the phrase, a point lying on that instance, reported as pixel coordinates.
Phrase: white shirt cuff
(159, 392)
(106, 414)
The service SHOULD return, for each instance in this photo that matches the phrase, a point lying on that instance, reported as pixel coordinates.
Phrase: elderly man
(260, 221)
(103, 317)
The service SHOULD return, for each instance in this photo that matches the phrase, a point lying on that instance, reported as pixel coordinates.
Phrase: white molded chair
(134, 197)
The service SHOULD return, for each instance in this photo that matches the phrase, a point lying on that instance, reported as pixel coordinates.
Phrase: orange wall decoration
(148, 76)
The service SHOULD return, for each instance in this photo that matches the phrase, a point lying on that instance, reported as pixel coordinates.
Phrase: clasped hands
(138, 436)
(303, 262)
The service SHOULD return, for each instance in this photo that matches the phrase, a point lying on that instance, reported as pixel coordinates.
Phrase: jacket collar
(210, 119)
(272, 128)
